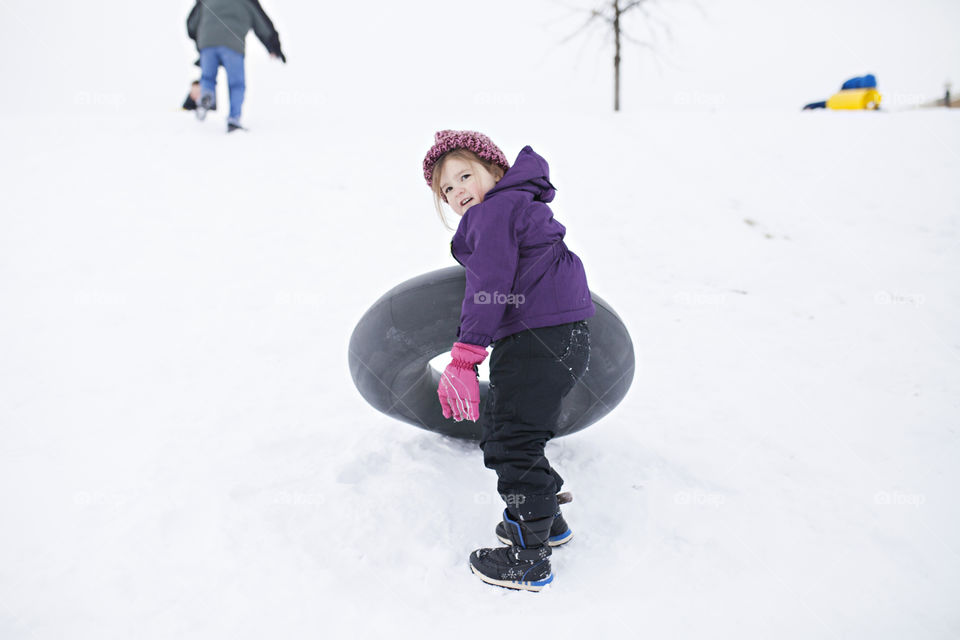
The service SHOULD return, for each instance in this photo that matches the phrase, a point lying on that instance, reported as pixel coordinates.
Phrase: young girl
(526, 295)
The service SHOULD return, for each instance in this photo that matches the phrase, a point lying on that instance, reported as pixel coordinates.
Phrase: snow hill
(184, 454)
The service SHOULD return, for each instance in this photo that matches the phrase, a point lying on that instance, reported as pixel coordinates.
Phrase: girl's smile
(464, 184)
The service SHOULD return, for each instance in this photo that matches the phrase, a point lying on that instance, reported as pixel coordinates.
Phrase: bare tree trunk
(616, 55)
(611, 12)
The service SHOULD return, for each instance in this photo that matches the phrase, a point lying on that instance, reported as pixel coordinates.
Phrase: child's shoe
(233, 124)
(525, 564)
(560, 533)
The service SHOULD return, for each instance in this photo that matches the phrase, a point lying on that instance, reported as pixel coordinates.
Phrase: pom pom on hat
(474, 141)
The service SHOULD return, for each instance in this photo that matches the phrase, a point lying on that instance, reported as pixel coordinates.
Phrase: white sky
(402, 55)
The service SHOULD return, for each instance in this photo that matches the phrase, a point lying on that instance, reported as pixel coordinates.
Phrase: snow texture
(183, 452)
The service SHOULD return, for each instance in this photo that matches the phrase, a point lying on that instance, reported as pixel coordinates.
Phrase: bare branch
(653, 22)
(629, 38)
(597, 13)
(611, 13)
(581, 28)
(602, 12)
(631, 5)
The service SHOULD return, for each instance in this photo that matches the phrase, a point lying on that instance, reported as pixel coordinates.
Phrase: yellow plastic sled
(855, 99)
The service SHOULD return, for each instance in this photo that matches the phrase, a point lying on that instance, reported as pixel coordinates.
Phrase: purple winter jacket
(520, 274)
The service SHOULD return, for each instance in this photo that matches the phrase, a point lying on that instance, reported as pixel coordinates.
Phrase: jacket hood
(529, 173)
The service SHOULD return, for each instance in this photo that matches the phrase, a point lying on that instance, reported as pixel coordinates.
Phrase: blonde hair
(468, 156)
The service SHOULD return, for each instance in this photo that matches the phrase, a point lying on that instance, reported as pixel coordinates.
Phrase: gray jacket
(225, 23)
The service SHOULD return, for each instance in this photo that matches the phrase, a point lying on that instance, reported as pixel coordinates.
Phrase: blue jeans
(211, 58)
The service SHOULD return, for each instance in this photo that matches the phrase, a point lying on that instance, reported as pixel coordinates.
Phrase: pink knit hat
(448, 140)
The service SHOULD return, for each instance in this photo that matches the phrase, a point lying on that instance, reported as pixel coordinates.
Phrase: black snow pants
(530, 372)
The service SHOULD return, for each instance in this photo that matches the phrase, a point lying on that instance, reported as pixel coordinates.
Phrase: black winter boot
(525, 564)
(560, 533)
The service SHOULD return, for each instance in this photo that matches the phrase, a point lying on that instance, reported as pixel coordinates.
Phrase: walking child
(527, 296)
(219, 28)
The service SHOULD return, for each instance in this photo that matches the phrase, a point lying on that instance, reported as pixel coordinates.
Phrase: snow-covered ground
(184, 454)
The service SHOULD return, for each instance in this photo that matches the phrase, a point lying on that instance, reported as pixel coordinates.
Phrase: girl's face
(464, 183)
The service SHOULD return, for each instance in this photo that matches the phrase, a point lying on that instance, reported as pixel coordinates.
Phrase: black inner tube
(395, 340)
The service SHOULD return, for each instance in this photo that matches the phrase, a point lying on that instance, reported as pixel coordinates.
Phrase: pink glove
(459, 388)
